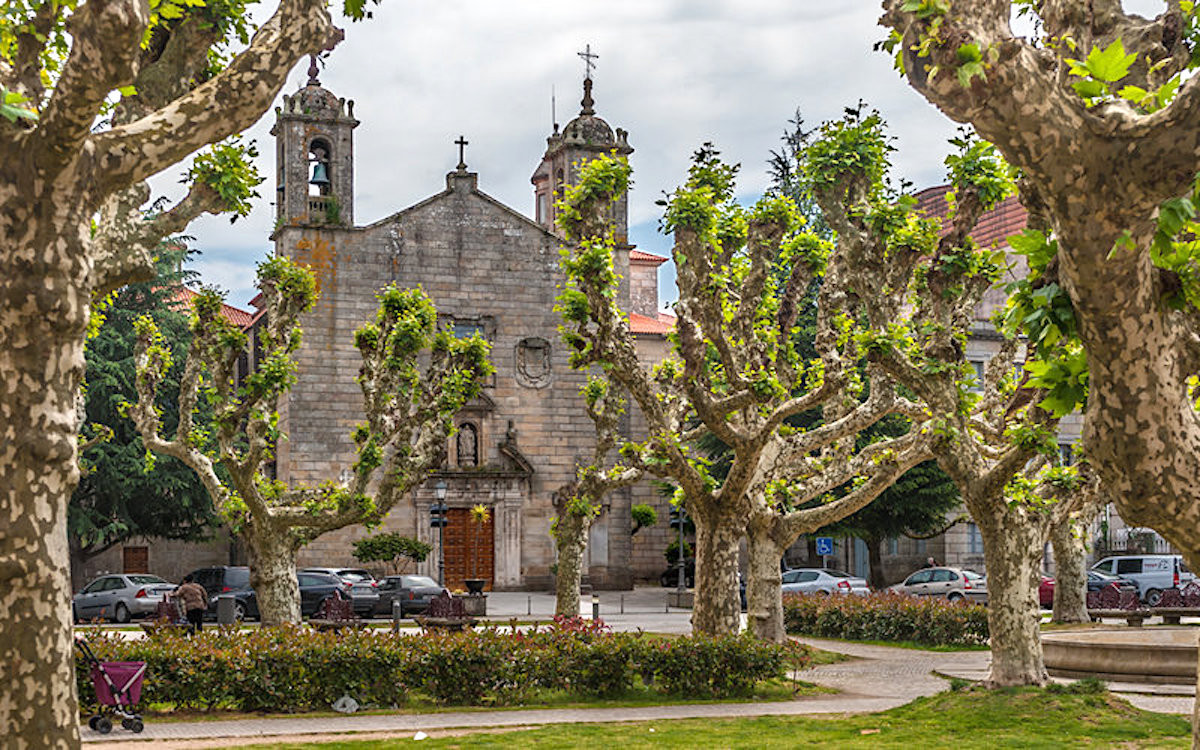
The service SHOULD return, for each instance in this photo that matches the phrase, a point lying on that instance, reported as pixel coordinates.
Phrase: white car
(823, 581)
(1152, 573)
(954, 584)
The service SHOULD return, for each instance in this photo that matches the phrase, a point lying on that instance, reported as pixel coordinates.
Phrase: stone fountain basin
(1163, 655)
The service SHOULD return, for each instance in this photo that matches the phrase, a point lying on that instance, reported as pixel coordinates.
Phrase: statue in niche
(468, 445)
(533, 362)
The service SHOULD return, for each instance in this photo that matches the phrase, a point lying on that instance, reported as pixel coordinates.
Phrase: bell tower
(314, 157)
(583, 139)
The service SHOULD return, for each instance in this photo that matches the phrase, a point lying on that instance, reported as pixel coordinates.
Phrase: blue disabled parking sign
(824, 545)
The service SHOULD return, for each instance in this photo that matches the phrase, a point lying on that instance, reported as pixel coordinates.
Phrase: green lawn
(637, 696)
(1012, 718)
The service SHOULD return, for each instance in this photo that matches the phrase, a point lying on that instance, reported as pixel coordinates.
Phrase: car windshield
(354, 576)
(971, 575)
(237, 577)
(412, 582)
(835, 573)
(144, 580)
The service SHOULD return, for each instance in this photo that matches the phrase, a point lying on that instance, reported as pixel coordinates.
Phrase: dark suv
(228, 579)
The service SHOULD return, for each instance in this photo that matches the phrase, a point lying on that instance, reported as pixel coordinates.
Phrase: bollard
(529, 605)
(667, 608)
(622, 604)
(595, 606)
(397, 615)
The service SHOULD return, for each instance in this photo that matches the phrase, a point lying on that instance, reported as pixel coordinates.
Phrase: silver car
(120, 597)
(823, 581)
(954, 584)
(364, 589)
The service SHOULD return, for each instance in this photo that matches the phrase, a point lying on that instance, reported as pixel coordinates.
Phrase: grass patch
(821, 657)
(636, 697)
(1012, 718)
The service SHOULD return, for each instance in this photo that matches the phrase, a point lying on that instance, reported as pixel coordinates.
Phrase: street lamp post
(437, 520)
(678, 519)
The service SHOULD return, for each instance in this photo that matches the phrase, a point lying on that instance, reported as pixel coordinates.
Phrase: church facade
(489, 269)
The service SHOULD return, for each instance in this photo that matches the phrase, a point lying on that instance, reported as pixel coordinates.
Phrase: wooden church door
(470, 548)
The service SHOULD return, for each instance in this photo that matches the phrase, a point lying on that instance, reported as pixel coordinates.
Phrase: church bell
(320, 175)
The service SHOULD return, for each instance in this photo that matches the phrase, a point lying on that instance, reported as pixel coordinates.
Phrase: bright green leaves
(852, 149)
(979, 167)
(1100, 69)
(1063, 374)
(295, 285)
(10, 106)
(926, 8)
(1175, 247)
(601, 180)
(970, 63)
(228, 168)
(1151, 101)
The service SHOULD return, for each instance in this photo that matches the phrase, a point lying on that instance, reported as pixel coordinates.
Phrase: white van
(1151, 573)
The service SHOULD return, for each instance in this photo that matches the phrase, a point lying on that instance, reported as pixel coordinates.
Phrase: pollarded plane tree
(62, 163)
(997, 445)
(735, 372)
(408, 408)
(1101, 111)
(580, 502)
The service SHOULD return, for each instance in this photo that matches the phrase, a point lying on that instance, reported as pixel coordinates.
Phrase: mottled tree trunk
(1069, 541)
(717, 604)
(44, 308)
(273, 575)
(764, 595)
(1012, 549)
(570, 537)
(875, 577)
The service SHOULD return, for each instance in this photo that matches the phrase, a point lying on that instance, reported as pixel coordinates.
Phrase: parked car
(823, 581)
(233, 580)
(1151, 573)
(954, 584)
(120, 597)
(413, 592)
(363, 591)
(670, 576)
(316, 586)
(1096, 581)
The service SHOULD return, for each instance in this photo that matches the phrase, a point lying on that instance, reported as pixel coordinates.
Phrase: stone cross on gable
(588, 64)
(462, 144)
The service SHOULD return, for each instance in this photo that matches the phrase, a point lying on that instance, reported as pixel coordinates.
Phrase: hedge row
(887, 617)
(292, 669)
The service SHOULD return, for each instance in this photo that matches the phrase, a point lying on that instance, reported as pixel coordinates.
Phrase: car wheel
(1154, 597)
(121, 613)
(954, 596)
(821, 592)
(239, 612)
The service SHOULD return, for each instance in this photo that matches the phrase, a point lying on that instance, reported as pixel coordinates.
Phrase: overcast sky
(674, 73)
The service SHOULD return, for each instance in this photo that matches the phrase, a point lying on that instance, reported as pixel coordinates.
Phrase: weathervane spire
(588, 64)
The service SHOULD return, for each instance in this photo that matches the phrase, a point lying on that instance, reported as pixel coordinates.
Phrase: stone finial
(313, 71)
(588, 103)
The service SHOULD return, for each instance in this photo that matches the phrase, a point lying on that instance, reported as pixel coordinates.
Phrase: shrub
(887, 617)
(291, 669)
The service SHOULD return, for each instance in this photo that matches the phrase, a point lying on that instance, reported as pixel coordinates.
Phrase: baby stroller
(118, 687)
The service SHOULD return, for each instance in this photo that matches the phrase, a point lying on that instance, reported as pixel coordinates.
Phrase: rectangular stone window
(974, 540)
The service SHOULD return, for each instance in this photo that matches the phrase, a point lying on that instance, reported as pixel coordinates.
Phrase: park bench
(335, 613)
(445, 613)
(168, 615)
(1175, 604)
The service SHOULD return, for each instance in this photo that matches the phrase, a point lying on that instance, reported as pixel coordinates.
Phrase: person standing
(194, 599)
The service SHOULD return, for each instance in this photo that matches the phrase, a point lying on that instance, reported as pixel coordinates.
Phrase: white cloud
(674, 74)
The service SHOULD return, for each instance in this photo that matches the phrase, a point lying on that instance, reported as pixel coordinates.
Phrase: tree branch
(226, 104)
